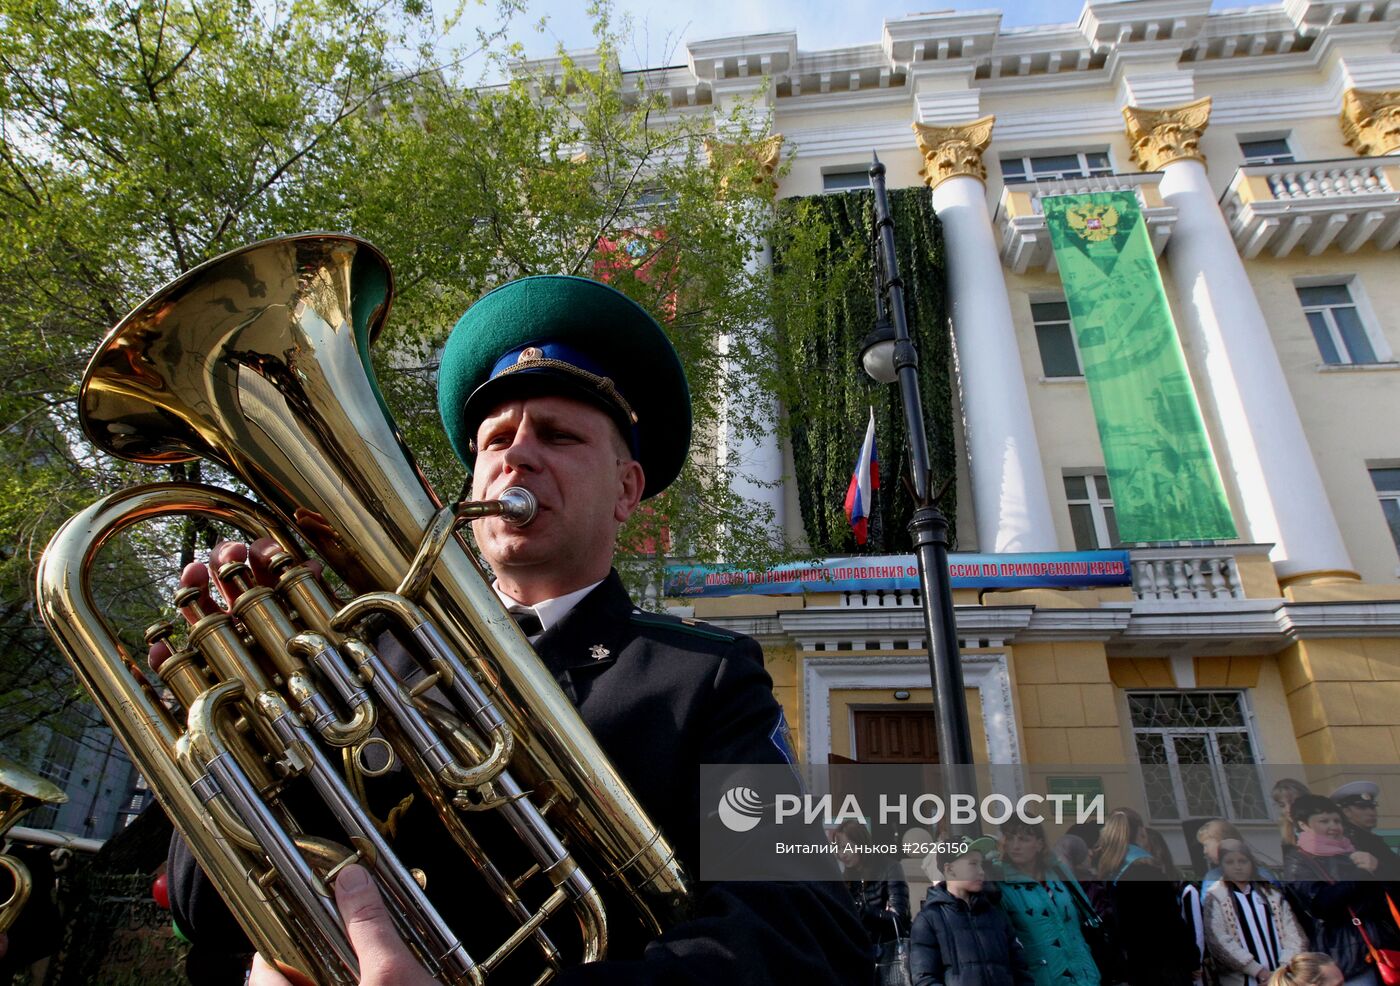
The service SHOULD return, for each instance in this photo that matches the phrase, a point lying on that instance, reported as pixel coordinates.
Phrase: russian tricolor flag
(864, 481)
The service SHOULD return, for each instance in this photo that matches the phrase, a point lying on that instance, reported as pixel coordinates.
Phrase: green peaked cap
(621, 360)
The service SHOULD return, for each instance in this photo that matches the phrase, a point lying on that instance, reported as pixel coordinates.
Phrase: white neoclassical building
(1263, 148)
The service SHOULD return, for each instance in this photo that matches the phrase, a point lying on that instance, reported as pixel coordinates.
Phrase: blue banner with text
(1039, 570)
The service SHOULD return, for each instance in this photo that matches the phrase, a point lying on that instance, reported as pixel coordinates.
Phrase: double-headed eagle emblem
(1092, 221)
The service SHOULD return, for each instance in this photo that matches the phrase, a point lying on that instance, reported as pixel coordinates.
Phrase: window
(1046, 167)
(653, 195)
(57, 766)
(844, 181)
(58, 761)
(1091, 512)
(1387, 483)
(1197, 755)
(1055, 336)
(1266, 150)
(1336, 324)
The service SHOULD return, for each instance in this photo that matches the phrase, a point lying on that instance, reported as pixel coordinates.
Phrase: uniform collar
(593, 632)
(549, 611)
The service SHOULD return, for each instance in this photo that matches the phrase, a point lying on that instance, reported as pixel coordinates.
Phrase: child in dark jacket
(961, 937)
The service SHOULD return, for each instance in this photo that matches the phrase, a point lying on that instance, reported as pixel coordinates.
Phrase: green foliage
(587, 170)
(138, 138)
(824, 305)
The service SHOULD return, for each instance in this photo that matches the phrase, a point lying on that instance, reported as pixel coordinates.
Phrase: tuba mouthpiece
(518, 506)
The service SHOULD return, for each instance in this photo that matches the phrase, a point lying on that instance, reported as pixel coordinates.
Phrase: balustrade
(1314, 205)
(1177, 577)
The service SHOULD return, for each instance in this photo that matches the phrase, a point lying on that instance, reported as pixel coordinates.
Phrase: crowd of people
(1107, 905)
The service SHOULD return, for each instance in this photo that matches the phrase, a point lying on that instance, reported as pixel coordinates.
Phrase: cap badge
(599, 652)
(528, 354)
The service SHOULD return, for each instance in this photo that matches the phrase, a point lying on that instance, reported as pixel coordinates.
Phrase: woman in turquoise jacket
(1043, 903)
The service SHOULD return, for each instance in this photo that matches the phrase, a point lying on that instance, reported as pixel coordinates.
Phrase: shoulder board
(664, 621)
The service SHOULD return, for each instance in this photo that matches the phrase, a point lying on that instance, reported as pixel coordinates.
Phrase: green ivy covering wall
(824, 306)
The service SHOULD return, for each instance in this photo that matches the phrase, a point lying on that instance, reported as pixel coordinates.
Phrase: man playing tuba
(565, 387)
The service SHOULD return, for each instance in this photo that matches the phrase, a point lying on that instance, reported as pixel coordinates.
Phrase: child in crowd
(1157, 949)
(1210, 835)
(1308, 969)
(961, 937)
(1073, 855)
(1250, 928)
(1286, 791)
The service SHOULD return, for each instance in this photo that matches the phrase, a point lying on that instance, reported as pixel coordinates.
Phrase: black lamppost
(888, 354)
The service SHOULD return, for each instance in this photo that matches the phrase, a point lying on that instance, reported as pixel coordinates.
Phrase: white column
(1271, 464)
(755, 459)
(1009, 494)
(752, 451)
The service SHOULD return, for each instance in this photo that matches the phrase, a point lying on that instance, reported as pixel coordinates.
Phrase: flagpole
(929, 526)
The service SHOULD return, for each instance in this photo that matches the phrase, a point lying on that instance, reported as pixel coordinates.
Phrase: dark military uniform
(1365, 840)
(1358, 794)
(662, 696)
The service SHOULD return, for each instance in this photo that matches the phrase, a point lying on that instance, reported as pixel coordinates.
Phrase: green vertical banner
(1160, 469)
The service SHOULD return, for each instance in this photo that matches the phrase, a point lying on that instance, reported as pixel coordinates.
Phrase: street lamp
(888, 354)
(877, 349)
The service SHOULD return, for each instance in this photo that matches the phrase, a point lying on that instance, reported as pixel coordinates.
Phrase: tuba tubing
(259, 361)
(21, 791)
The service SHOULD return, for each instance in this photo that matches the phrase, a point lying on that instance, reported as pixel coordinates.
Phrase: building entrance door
(895, 736)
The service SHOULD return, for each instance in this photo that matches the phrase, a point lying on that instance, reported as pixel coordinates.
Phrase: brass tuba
(259, 360)
(21, 791)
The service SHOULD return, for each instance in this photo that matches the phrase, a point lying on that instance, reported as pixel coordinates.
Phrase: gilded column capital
(955, 150)
(1159, 137)
(1371, 121)
(765, 153)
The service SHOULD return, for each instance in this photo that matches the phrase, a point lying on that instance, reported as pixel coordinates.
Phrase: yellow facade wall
(1343, 698)
(1066, 703)
(781, 663)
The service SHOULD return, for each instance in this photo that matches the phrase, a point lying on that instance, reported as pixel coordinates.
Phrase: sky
(661, 27)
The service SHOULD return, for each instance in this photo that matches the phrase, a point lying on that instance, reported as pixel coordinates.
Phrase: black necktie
(527, 620)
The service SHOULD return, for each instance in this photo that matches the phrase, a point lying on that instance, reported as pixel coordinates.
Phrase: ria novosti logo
(740, 809)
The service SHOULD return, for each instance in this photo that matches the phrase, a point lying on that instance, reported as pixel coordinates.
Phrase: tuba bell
(21, 791)
(258, 360)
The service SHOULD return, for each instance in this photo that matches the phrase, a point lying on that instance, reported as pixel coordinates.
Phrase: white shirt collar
(550, 611)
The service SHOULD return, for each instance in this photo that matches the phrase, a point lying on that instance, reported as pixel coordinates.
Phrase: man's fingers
(260, 555)
(196, 574)
(311, 523)
(265, 975)
(372, 933)
(223, 553)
